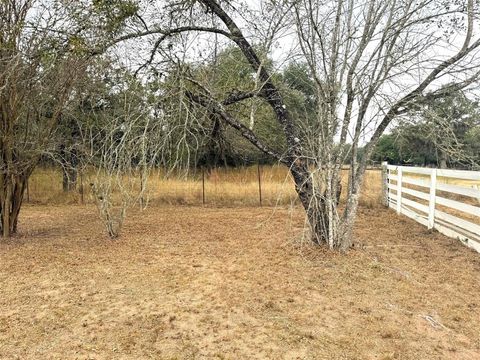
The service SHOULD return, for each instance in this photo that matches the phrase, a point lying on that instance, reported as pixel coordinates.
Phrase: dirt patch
(206, 283)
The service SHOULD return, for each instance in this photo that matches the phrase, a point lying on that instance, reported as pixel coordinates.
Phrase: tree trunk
(12, 192)
(321, 207)
(442, 160)
(349, 214)
(70, 175)
(69, 162)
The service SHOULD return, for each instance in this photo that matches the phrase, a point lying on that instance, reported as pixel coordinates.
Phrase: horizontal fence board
(459, 174)
(458, 233)
(450, 173)
(467, 225)
(415, 170)
(444, 227)
(456, 189)
(417, 182)
(457, 205)
(429, 215)
(392, 197)
(410, 169)
(415, 205)
(411, 181)
(410, 213)
(418, 194)
(410, 203)
(392, 187)
(415, 216)
(448, 231)
(459, 230)
(459, 190)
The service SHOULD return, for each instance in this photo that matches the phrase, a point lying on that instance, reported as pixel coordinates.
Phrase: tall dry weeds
(223, 187)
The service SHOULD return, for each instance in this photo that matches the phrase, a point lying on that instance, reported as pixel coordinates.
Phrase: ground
(233, 283)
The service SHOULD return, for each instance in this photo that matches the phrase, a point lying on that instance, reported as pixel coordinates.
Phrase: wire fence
(257, 185)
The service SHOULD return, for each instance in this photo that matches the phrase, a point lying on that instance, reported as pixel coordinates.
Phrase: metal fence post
(28, 191)
(431, 203)
(259, 184)
(142, 199)
(203, 186)
(82, 189)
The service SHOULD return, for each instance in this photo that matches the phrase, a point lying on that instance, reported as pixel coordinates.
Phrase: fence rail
(441, 199)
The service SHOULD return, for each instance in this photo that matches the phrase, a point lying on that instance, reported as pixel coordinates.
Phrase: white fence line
(423, 201)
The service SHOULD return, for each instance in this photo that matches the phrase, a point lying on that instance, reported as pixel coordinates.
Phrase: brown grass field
(224, 187)
(237, 282)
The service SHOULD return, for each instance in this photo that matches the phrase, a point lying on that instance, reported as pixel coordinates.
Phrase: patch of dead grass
(206, 283)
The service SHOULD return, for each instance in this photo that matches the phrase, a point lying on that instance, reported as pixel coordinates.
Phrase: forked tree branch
(216, 108)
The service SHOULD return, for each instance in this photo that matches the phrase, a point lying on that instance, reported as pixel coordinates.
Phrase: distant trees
(387, 150)
(219, 144)
(472, 144)
(228, 74)
(443, 134)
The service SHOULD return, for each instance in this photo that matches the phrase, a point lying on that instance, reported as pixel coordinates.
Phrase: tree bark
(442, 158)
(12, 192)
(321, 207)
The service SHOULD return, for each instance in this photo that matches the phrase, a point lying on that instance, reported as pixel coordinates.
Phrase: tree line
(122, 86)
(447, 135)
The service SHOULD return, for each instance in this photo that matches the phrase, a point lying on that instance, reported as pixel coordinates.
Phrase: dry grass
(226, 187)
(208, 283)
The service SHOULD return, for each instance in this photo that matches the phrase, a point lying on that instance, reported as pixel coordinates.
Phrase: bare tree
(371, 61)
(121, 164)
(43, 58)
(38, 69)
(128, 132)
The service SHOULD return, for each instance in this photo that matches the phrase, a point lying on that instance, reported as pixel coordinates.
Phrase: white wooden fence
(414, 192)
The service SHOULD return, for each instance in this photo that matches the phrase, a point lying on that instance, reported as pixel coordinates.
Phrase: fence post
(431, 203)
(385, 190)
(28, 191)
(203, 186)
(82, 190)
(259, 184)
(399, 190)
(142, 189)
